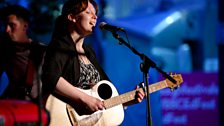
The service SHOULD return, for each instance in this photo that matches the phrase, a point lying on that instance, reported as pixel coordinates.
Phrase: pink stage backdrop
(194, 103)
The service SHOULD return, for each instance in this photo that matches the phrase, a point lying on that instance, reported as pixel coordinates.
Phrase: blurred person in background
(20, 55)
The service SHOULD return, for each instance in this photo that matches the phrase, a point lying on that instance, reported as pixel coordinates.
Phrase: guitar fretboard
(129, 96)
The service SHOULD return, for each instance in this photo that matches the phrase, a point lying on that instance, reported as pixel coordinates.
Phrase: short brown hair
(19, 11)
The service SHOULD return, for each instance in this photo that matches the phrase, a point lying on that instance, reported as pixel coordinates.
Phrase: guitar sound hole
(104, 91)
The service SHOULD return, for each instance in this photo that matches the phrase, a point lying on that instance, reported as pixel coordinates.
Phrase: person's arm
(88, 103)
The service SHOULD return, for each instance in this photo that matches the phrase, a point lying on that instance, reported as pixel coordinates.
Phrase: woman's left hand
(139, 94)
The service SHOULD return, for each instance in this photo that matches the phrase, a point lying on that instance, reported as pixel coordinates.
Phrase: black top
(61, 60)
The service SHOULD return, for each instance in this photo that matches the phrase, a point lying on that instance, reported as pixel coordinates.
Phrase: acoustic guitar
(62, 113)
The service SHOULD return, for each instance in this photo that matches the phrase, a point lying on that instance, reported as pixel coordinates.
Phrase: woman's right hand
(79, 100)
(90, 104)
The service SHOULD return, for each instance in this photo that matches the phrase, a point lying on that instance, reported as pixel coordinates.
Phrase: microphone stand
(144, 66)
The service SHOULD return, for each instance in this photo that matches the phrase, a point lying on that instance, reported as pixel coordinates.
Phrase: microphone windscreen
(102, 24)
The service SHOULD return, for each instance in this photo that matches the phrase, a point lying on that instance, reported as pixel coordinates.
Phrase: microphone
(110, 28)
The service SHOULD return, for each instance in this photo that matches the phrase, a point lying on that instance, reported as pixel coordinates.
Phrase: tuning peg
(171, 89)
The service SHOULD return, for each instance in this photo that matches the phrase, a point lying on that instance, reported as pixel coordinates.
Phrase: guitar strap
(31, 71)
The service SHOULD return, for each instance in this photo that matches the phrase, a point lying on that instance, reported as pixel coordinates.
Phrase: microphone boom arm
(147, 62)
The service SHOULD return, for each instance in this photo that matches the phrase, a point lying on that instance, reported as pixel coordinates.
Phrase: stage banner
(194, 103)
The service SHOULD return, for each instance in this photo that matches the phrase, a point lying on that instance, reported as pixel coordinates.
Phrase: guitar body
(60, 112)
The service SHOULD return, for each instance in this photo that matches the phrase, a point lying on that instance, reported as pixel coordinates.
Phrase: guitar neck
(129, 96)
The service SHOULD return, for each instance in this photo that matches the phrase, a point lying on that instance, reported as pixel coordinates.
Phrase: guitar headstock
(178, 79)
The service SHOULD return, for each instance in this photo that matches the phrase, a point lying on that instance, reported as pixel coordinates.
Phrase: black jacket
(61, 60)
